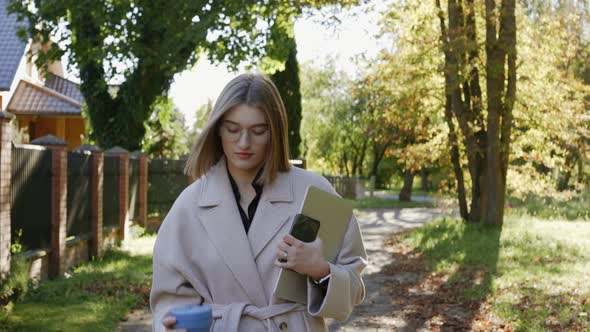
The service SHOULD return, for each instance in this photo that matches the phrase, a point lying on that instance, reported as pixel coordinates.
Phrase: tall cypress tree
(288, 84)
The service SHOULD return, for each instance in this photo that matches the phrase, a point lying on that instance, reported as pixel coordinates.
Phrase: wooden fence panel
(110, 197)
(79, 194)
(31, 196)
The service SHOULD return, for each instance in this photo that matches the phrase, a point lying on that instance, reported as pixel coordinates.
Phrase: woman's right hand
(169, 322)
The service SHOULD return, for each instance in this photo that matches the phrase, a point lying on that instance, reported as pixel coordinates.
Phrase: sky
(354, 35)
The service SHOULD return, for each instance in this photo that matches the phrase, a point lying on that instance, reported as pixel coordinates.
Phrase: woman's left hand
(301, 257)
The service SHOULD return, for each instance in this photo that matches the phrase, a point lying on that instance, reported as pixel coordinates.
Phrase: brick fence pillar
(143, 189)
(123, 156)
(59, 196)
(5, 180)
(97, 188)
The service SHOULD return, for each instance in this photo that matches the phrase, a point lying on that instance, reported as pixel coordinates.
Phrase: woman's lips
(244, 155)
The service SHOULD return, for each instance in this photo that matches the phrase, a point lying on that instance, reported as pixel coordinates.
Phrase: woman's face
(245, 136)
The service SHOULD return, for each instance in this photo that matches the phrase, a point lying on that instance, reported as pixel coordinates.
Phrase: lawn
(531, 274)
(92, 297)
(565, 206)
(388, 203)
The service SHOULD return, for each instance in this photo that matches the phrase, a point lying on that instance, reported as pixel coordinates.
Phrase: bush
(14, 286)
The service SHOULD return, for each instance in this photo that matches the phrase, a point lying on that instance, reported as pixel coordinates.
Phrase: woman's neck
(242, 177)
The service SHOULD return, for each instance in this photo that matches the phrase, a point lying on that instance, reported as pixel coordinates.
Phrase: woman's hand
(301, 257)
(169, 322)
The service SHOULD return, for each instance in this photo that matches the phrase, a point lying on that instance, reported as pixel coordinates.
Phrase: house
(42, 104)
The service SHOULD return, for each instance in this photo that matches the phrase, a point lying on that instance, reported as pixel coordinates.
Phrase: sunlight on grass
(537, 273)
(387, 203)
(95, 296)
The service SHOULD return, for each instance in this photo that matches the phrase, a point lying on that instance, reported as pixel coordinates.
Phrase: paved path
(378, 311)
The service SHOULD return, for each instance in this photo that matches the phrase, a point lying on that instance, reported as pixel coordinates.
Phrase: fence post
(123, 156)
(5, 180)
(59, 195)
(97, 188)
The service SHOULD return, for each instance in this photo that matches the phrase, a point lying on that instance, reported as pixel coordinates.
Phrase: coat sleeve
(170, 288)
(345, 287)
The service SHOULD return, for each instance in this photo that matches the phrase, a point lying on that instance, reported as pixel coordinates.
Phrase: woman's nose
(244, 140)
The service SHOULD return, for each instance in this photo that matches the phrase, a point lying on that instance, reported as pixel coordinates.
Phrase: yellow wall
(74, 131)
(68, 128)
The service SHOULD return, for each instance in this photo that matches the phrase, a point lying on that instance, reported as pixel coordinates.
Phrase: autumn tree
(486, 136)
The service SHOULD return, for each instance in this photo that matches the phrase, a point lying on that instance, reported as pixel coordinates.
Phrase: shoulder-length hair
(254, 90)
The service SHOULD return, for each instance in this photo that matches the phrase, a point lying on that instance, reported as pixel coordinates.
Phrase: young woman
(226, 238)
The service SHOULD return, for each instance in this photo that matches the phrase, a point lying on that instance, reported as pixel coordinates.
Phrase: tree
(402, 123)
(333, 129)
(201, 116)
(464, 102)
(288, 84)
(548, 139)
(282, 65)
(487, 144)
(166, 135)
(142, 44)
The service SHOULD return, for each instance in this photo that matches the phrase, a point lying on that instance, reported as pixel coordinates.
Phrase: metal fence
(110, 197)
(348, 187)
(79, 194)
(166, 181)
(31, 196)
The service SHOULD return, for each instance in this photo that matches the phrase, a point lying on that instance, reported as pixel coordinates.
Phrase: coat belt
(229, 315)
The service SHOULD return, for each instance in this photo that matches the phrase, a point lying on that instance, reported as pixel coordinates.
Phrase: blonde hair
(256, 91)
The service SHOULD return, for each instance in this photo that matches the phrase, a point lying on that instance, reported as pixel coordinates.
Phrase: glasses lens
(234, 133)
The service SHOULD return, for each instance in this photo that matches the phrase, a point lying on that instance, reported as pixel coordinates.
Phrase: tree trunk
(563, 179)
(453, 103)
(464, 101)
(405, 195)
(424, 179)
(455, 160)
(501, 87)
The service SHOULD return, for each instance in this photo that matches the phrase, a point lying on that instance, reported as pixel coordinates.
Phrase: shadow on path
(403, 294)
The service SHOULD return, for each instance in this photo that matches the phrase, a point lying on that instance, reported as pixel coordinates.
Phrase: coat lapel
(223, 224)
(271, 214)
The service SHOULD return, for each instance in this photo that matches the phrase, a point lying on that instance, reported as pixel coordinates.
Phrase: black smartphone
(304, 228)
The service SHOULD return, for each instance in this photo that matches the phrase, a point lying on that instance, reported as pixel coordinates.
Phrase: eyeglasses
(232, 132)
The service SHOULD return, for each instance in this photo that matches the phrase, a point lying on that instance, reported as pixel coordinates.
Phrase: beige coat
(203, 255)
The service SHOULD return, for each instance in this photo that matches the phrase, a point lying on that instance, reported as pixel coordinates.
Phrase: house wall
(74, 129)
(44, 126)
(68, 128)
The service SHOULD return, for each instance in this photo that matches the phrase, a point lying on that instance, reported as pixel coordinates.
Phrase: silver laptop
(334, 214)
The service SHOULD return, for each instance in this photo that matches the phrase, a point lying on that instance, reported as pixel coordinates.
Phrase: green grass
(387, 203)
(565, 207)
(535, 274)
(94, 296)
(415, 192)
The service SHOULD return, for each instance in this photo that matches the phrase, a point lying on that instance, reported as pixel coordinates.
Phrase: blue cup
(193, 318)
